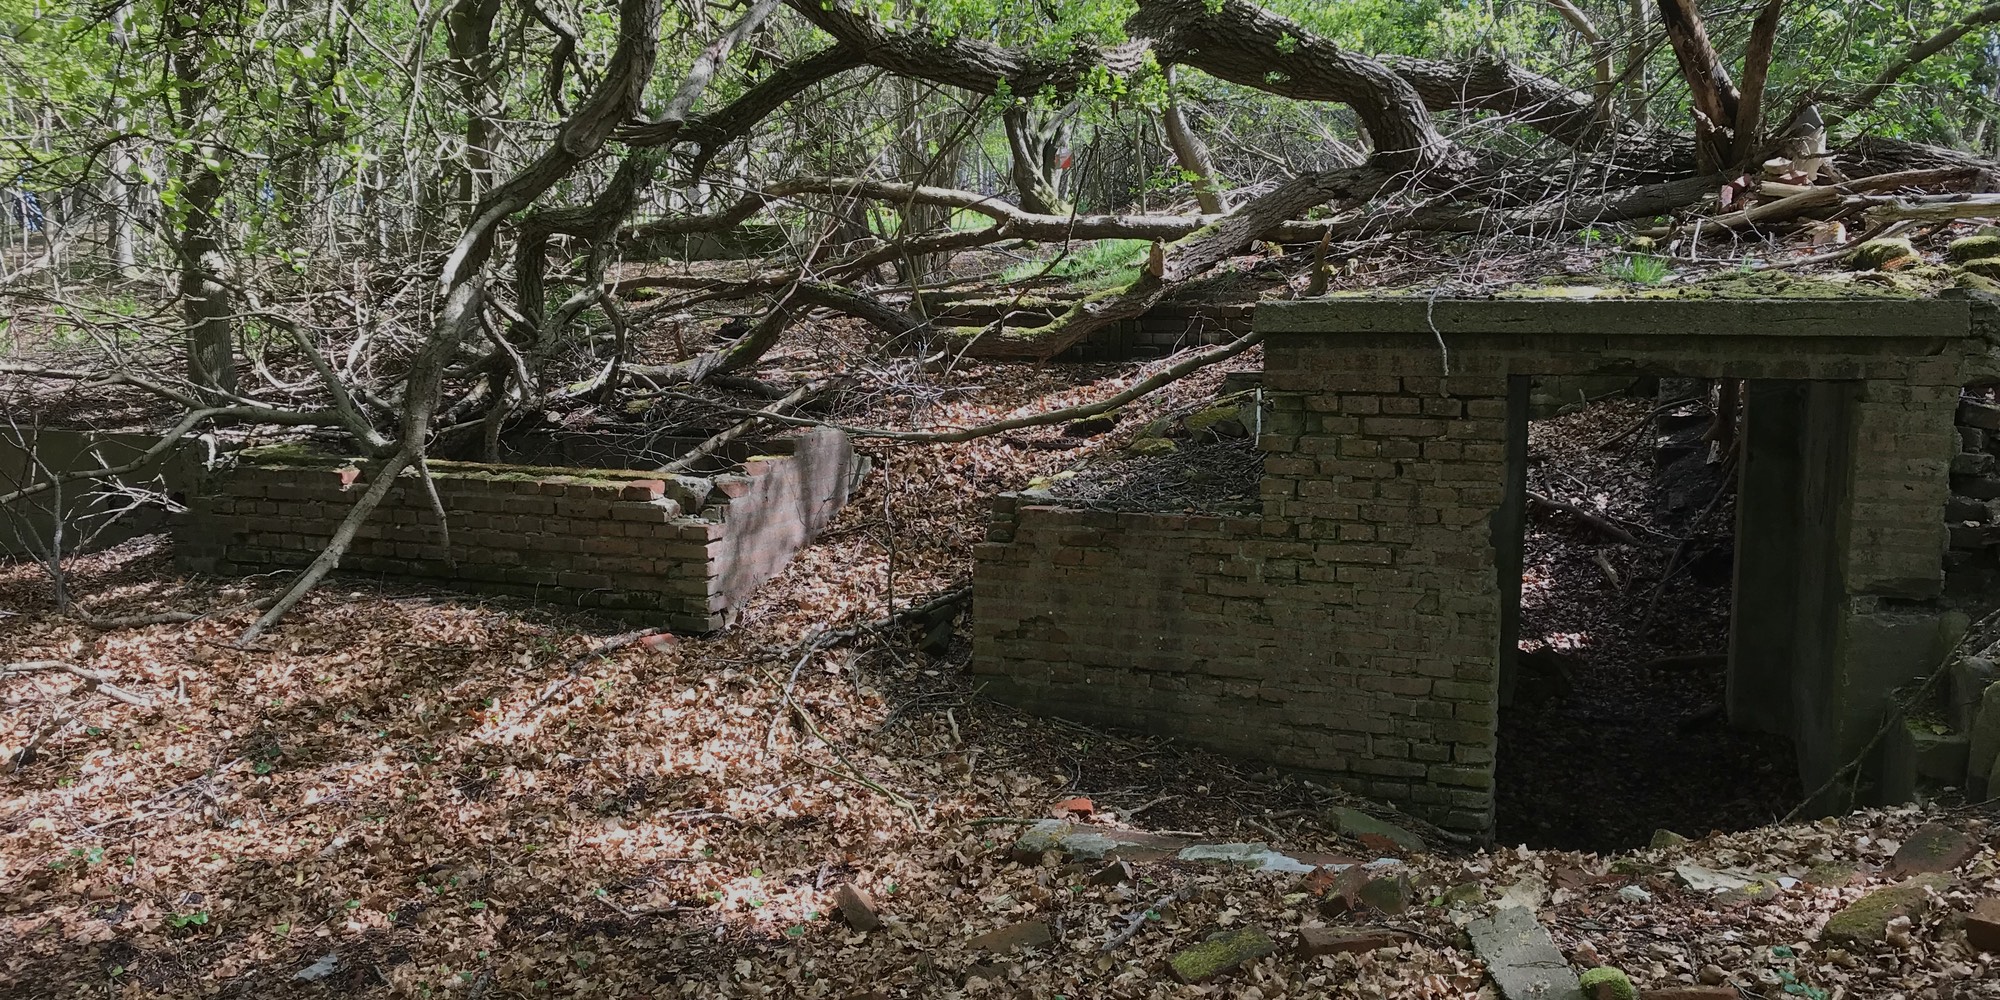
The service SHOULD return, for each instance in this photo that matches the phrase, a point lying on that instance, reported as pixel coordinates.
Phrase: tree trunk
(1034, 147)
(1190, 152)
(206, 309)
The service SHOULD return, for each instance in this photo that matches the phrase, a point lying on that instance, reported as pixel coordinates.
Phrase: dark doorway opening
(1614, 719)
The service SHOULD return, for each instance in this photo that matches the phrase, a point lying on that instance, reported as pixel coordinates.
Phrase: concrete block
(1985, 743)
(1965, 681)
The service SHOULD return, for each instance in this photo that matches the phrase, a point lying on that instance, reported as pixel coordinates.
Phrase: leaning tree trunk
(1190, 152)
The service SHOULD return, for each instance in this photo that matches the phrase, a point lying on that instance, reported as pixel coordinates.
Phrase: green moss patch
(1866, 920)
(1220, 954)
(1880, 254)
(1971, 248)
(1607, 983)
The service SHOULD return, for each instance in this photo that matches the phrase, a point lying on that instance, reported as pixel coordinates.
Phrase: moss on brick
(1220, 953)
(1607, 983)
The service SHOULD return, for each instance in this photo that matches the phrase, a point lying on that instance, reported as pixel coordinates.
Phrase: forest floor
(449, 795)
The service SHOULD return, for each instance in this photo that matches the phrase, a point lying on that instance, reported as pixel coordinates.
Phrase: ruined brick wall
(1319, 636)
(1360, 626)
(679, 551)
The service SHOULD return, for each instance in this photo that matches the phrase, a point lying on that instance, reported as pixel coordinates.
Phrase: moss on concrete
(1607, 983)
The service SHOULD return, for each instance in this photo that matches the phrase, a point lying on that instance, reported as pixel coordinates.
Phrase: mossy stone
(1151, 446)
(1463, 894)
(1985, 267)
(1971, 248)
(1866, 920)
(1220, 953)
(1880, 253)
(1664, 838)
(1634, 868)
(1607, 983)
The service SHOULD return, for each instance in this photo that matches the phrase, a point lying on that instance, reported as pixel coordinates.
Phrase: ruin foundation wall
(681, 551)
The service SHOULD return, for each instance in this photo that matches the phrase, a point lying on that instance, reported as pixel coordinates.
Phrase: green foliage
(1638, 268)
(1098, 264)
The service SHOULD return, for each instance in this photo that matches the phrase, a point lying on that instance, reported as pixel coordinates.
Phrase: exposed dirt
(1636, 739)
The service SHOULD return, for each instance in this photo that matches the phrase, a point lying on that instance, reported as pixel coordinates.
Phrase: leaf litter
(410, 793)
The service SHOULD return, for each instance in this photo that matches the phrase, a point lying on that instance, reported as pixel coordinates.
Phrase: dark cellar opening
(1613, 719)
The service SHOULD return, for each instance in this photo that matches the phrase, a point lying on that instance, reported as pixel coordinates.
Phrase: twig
(1667, 575)
(1137, 918)
(26, 755)
(1640, 424)
(1129, 813)
(1597, 521)
(708, 447)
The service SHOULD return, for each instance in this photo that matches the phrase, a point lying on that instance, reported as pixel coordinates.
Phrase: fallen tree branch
(1819, 199)
(1602, 524)
(93, 680)
(1144, 386)
(706, 448)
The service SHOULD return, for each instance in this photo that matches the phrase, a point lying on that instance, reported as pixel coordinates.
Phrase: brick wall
(681, 551)
(1360, 625)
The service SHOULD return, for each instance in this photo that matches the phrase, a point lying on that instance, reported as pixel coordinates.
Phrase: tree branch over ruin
(1144, 387)
(1247, 45)
(616, 99)
(1916, 53)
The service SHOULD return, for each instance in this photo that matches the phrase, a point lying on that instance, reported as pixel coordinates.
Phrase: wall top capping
(1751, 319)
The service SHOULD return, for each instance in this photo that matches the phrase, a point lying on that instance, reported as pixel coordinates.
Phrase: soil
(1635, 740)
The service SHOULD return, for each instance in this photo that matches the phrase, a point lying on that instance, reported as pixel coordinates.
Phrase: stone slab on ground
(1866, 920)
(1317, 941)
(1092, 843)
(1026, 934)
(1374, 833)
(1521, 957)
(1933, 850)
(1220, 953)
(1098, 843)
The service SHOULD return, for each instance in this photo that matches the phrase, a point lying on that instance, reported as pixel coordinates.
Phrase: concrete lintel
(1903, 319)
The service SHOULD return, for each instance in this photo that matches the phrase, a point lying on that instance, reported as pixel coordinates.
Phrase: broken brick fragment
(1982, 925)
(856, 907)
(1317, 941)
(1933, 850)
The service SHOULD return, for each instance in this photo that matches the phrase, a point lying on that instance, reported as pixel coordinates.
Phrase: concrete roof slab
(1869, 317)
